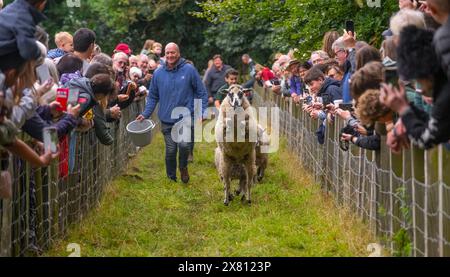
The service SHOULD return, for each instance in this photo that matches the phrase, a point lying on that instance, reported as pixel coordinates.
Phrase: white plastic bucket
(141, 132)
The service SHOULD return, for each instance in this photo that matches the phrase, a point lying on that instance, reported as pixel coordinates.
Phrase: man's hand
(122, 97)
(85, 125)
(276, 89)
(210, 100)
(346, 137)
(148, 77)
(54, 106)
(140, 117)
(394, 98)
(315, 114)
(74, 111)
(45, 87)
(349, 39)
(331, 108)
(318, 106)
(115, 112)
(361, 130)
(48, 157)
(345, 115)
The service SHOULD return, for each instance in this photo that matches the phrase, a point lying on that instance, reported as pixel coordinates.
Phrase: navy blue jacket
(43, 118)
(331, 89)
(172, 88)
(18, 22)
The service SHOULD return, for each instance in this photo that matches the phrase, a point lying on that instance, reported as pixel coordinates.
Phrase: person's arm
(200, 90)
(101, 129)
(21, 149)
(152, 98)
(298, 86)
(370, 142)
(293, 87)
(25, 109)
(442, 46)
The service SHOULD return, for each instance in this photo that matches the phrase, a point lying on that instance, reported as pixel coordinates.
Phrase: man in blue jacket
(176, 84)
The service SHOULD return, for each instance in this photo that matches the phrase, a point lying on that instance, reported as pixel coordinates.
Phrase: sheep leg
(242, 182)
(250, 170)
(227, 182)
(260, 173)
(227, 199)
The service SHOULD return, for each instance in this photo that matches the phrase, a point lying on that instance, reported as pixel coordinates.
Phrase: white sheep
(236, 135)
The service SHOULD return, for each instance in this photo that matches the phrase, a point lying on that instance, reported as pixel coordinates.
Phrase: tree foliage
(298, 24)
(132, 22)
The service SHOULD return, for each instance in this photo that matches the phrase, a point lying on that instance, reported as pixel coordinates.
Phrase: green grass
(152, 216)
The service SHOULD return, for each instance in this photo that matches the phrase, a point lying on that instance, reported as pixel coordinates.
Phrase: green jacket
(222, 93)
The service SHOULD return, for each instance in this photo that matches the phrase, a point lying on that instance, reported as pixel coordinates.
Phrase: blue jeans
(172, 148)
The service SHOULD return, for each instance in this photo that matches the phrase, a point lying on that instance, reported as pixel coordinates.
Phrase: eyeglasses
(338, 51)
(317, 61)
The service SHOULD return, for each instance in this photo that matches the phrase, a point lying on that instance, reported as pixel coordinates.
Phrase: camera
(326, 100)
(308, 100)
(346, 107)
(275, 82)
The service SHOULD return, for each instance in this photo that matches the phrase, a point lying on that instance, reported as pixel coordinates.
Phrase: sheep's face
(235, 96)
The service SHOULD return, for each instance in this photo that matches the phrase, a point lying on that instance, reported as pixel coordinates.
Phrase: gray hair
(322, 54)
(338, 44)
(404, 18)
(103, 59)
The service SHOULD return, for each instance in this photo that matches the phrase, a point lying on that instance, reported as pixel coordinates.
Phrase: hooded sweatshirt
(172, 88)
(87, 101)
(330, 90)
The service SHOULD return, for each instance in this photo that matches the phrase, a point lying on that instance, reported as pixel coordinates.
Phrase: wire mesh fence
(404, 199)
(46, 201)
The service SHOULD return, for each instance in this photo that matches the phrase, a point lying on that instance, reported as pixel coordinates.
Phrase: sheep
(235, 107)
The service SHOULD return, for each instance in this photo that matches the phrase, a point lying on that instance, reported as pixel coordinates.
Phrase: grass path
(151, 216)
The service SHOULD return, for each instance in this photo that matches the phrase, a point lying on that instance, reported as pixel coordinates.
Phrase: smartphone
(308, 100)
(391, 77)
(61, 97)
(275, 82)
(346, 107)
(43, 73)
(50, 136)
(72, 99)
(350, 26)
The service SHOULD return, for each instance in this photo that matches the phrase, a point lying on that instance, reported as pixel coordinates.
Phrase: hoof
(260, 178)
(245, 201)
(226, 202)
(237, 192)
(230, 197)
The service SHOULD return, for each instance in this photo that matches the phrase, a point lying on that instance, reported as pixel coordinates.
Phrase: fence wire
(405, 199)
(46, 201)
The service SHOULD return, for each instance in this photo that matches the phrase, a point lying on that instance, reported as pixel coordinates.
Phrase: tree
(299, 24)
(132, 22)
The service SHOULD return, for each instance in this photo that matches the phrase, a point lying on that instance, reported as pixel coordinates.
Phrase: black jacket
(372, 142)
(87, 101)
(215, 79)
(428, 131)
